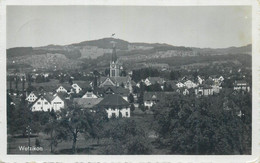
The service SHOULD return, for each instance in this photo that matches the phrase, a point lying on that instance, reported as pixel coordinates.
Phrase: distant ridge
(75, 50)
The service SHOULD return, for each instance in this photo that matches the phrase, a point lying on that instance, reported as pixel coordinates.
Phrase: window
(45, 103)
(126, 113)
(39, 103)
(113, 73)
(57, 102)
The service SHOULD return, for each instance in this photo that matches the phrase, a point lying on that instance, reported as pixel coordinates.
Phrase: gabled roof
(66, 86)
(87, 102)
(47, 97)
(154, 80)
(121, 79)
(104, 79)
(62, 96)
(82, 84)
(156, 95)
(117, 90)
(114, 101)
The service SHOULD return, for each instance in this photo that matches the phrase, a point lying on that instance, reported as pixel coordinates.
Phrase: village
(122, 94)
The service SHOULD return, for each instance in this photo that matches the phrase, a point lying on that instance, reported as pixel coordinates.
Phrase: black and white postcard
(165, 81)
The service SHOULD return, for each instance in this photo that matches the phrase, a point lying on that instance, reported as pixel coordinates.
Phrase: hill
(71, 55)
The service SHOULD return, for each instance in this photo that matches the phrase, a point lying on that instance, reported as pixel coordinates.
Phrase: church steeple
(114, 64)
(114, 57)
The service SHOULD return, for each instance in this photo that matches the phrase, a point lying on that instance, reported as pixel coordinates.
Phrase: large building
(115, 78)
(115, 66)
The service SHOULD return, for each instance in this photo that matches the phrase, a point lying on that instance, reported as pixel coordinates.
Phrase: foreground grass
(84, 146)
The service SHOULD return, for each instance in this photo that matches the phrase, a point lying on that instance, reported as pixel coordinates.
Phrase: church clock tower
(114, 64)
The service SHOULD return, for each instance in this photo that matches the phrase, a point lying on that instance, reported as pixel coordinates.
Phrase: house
(117, 90)
(89, 95)
(204, 90)
(216, 78)
(241, 85)
(63, 88)
(124, 81)
(216, 88)
(58, 102)
(152, 80)
(200, 80)
(87, 103)
(106, 81)
(47, 102)
(115, 106)
(189, 84)
(31, 97)
(76, 88)
(151, 98)
(43, 103)
(180, 85)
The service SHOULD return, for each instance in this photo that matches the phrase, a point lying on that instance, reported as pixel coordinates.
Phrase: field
(84, 146)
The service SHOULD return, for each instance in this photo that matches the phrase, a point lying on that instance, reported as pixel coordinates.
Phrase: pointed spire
(114, 57)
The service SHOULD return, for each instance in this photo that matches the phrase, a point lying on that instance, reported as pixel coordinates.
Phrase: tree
(132, 108)
(107, 72)
(72, 121)
(131, 98)
(99, 120)
(51, 128)
(70, 81)
(127, 137)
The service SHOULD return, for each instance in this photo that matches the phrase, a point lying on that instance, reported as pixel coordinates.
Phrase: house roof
(154, 80)
(114, 101)
(87, 102)
(103, 79)
(121, 79)
(156, 95)
(47, 96)
(241, 82)
(205, 86)
(82, 84)
(117, 90)
(64, 85)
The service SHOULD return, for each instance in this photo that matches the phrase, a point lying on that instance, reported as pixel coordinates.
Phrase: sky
(204, 26)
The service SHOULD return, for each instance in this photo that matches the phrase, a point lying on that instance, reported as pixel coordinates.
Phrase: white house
(204, 90)
(115, 105)
(189, 84)
(152, 80)
(57, 103)
(180, 85)
(89, 95)
(200, 80)
(31, 97)
(216, 88)
(241, 85)
(62, 89)
(76, 87)
(41, 104)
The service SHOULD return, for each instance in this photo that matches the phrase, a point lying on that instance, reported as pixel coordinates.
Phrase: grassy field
(84, 146)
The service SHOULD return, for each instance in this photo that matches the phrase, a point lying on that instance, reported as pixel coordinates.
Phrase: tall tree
(74, 120)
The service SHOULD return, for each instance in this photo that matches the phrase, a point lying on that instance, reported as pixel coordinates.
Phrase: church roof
(114, 101)
(117, 90)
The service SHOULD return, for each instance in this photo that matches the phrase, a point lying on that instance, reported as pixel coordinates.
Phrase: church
(115, 78)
